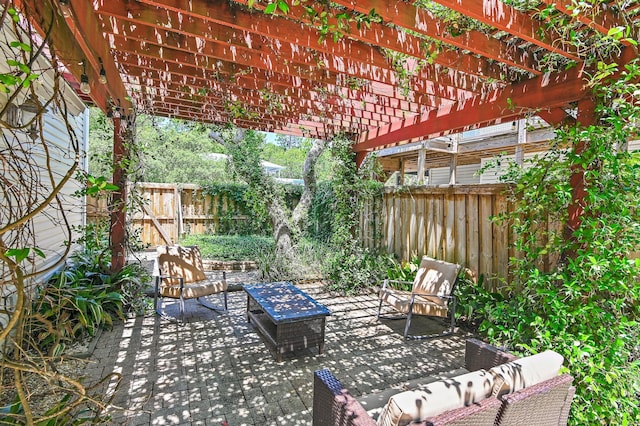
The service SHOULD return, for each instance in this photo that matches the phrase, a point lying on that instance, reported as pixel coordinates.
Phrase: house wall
(31, 168)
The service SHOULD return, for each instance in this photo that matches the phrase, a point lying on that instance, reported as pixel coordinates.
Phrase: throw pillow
(435, 398)
(515, 375)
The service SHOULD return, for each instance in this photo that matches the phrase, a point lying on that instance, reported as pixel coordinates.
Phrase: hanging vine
(33, 192)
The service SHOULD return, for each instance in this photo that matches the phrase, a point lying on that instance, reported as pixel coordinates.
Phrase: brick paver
(217, 369)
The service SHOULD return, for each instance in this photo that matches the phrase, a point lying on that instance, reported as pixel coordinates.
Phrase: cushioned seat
(423, 305)
(500, 390)
(435, 398)
(193, 291)
(181, 276)
(431, 294)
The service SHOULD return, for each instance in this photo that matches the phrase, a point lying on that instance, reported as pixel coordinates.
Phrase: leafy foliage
(321, 214)
(586, 307)
(351, 268)
(230, 247)
(70, 307)
(235, 199)
(85, 295)
(170, 150)
(403, 271)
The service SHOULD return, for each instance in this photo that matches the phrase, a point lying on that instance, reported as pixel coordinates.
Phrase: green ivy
(585, 307)
(351, 268)
(240, 201)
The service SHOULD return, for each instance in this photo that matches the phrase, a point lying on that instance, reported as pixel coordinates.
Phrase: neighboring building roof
(270, 168)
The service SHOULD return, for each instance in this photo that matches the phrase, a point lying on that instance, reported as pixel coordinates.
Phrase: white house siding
(49, 231)
(465, 175)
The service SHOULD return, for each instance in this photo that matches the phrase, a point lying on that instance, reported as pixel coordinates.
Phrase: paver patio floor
(217, 369)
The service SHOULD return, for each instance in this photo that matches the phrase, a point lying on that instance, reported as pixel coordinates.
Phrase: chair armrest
(549, 400)
(159, 278)
(480, 355)
(333, 405)
(386, 283)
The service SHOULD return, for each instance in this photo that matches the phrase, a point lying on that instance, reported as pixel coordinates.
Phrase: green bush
(586, 307)
(84, 296)
(69, 307)
(404, 271)
(236, 199)
(230, 247)
(354, 269)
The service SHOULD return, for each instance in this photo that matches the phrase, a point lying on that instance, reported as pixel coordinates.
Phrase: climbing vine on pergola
(384, 72)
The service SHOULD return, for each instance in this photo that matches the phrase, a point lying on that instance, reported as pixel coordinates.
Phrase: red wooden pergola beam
(546, 91)
(270, 26)
(289, 129)
(211, 63)
(152, 82)
(146, 76)
(281, 30)
(278, 83)
(424, 22)
(503, 17)
(401, 41)
(148, 103)
(142, 26)
(43, 15)
(174, 99)
(84, 23)
(222, 106)
(556, 116)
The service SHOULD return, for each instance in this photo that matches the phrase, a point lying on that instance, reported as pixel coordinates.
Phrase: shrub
(586, 307)
(404, 271)
(69, 307)
(230, 247)
(355, 269)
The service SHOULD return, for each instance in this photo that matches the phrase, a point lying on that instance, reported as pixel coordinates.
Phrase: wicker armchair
(181, 276)
(543, 404)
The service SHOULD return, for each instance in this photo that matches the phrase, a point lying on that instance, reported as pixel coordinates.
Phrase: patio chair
(181, 276)
(431, 294)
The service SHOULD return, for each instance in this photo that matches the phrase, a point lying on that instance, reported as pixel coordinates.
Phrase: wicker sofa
(546, 402)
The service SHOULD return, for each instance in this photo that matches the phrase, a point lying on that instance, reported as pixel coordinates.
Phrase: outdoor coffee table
(287, 317)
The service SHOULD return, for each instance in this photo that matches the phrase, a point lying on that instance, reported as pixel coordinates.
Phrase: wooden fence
(452, 223)
(169, 211)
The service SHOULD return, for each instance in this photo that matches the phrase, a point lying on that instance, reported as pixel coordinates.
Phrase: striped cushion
(436, 398)
(192, 291)
(523, 372)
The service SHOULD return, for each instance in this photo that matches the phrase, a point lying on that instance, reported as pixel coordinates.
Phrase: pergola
(383, 72)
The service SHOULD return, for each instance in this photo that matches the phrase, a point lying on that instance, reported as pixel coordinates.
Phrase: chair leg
(379, 309)
(181, 310)
(155, 295)
(226, 308)
(406, 327)
(453, 316)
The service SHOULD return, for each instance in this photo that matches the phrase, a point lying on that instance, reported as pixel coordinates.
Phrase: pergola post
(118, 201)
(522, 139)
(586, 117)
(422, 162)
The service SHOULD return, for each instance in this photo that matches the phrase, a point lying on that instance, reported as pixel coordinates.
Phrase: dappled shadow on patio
(217, 369)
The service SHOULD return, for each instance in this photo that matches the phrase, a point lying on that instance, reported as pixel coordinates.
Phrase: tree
(170, 150)
(245, 148)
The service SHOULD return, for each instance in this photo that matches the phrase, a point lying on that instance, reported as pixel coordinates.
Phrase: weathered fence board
(452, 223)
(448, 222)
(170, 210)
